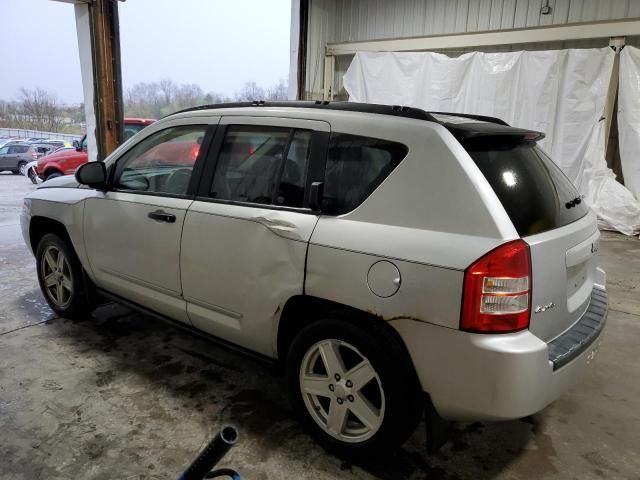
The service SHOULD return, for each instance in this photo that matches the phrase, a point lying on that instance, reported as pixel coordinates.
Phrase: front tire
(61, 277)
(51, 175)
(352, 390)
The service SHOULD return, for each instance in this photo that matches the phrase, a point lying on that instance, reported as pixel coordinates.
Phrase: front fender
(66, 206)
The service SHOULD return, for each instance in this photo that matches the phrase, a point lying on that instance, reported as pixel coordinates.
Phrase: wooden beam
(105, 43)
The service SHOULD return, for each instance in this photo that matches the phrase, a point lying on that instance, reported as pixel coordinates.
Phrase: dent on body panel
(280, 227)
(258, 278)
(275, 283)
(276, 274)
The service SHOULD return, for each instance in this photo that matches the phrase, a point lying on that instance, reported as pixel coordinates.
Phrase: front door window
(161, 163)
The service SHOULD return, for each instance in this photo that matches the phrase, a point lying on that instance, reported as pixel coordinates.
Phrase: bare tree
(214, 97)
(188, 95)
(157, 99)
(280, 91)
(168, 89)
(145, 100)
(39, 110)
(250, 91)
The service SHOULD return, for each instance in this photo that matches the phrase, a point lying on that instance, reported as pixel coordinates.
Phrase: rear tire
(61, 277)
(22, 168)
(369, 405)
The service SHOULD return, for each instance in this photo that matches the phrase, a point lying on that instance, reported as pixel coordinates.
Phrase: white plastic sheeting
(629, 118)
(559, 92)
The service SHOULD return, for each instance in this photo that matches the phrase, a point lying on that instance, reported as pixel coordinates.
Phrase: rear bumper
(498, 377)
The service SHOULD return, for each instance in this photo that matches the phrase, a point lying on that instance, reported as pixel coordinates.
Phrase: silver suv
(393, 261)
(14, 156)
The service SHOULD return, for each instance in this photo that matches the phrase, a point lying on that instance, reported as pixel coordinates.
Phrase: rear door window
(355, 167)
(535, 193)
(263, 164)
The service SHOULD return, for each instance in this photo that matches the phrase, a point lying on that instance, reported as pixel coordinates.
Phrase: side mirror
(92, 174)
(76, 145)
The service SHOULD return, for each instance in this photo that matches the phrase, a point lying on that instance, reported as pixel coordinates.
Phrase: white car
(390, 259)
(30, 171)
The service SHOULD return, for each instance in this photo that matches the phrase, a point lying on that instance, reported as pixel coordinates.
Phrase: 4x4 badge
(594, 247)
(544, 308)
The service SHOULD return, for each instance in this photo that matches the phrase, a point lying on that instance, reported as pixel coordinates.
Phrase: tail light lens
(496, 296)
(34, 155)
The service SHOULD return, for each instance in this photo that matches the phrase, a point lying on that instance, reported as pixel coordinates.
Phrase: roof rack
(490, 126)
(394, 110)
(480, 118)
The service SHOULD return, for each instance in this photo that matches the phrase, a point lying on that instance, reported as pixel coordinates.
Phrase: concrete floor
(120, 395)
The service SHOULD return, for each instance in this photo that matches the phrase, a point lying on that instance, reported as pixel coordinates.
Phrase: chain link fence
(22, 133)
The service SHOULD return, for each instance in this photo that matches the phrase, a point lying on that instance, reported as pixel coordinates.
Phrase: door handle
(162, 216)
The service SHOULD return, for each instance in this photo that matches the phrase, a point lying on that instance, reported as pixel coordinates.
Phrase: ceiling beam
(575, 31)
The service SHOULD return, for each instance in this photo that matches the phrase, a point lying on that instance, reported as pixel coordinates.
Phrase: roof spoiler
(466, 132)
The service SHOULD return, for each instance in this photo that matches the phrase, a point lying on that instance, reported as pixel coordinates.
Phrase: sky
(215, 43)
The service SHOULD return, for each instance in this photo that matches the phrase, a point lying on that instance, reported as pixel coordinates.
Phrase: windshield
(533, 190)
(131, 129)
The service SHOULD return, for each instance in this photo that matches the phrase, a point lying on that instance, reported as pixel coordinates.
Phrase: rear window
(533, 190)
(355, 167)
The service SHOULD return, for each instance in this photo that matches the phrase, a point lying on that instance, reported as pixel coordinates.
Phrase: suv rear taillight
(34, 155)
(496, 297)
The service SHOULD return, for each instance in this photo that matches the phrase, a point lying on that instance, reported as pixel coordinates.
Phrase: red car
(65, 162)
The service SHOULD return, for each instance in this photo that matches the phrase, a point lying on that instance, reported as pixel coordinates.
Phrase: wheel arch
(303, 310)
(39, 226)
(52, 169)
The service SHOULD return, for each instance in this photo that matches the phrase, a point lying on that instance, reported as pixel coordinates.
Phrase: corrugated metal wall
(334, 21)
(373, 19)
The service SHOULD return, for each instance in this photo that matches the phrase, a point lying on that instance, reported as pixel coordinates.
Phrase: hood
(66, 181)
(58, 155)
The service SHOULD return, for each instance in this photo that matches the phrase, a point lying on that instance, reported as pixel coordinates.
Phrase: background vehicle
(44, 149)
(14, 156)
(6, 141)
(66, 162)
(134, 125)
(53, 143)
(30, 171)
(390, 259)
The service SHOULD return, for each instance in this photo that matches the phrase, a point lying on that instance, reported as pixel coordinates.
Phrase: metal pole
(329, 68)
(616, 43)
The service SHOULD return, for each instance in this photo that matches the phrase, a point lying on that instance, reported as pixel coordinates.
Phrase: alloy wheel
(56, 276)
(342, 391)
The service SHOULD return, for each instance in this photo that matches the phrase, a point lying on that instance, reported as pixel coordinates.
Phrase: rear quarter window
(356, 165)
(535, 193)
